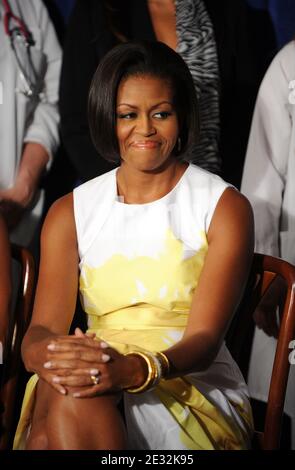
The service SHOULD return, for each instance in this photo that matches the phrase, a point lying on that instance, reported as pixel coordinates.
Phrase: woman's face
(147, 124)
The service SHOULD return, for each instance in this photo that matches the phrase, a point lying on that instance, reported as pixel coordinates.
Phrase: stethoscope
(20, 35)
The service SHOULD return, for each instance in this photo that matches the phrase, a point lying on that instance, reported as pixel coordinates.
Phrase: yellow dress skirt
(188, 412)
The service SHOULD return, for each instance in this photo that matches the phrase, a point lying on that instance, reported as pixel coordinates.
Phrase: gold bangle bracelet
(164, 362)
(152, 373)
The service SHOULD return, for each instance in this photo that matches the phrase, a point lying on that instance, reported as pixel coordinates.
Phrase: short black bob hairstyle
(138, 59)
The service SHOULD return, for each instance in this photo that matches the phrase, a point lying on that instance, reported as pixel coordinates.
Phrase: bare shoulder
(60, 220)
(233, 214)
(234, 201)
(63, 206)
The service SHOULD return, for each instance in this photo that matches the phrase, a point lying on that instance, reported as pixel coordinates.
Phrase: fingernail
(63, 391)
(94, 371)
(76, 394)
(51, 346)
(104, 345)
(105, 357)
(47, 365)
(56, 379)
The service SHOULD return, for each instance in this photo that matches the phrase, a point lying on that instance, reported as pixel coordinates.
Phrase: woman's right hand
(85, 366)
(58, 357)
(63, 355)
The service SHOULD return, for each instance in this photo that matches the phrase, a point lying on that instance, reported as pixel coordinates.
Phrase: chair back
(19, 322)
(263, 273)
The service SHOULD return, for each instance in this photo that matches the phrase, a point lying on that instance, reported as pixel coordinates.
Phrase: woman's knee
(82, 406)
(81, 423)
(37, 439)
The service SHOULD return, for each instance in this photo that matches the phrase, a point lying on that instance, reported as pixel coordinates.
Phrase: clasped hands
(85, 367)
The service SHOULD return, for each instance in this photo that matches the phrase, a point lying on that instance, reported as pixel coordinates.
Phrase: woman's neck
(140, 187)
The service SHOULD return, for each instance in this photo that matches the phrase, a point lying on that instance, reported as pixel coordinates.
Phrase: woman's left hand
(112, 371)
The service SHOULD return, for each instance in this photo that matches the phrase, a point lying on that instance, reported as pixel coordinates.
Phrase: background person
(268, 182)
(30, 62)
(5, 287)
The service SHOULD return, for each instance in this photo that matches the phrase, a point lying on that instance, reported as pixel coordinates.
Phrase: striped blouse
(197, 46)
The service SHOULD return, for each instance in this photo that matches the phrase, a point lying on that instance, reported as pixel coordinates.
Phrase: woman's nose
(145, 126)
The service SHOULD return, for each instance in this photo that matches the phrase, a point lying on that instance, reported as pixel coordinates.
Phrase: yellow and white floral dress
(139, 266)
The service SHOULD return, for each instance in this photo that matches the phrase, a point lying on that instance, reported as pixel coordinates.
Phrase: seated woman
(160, 250)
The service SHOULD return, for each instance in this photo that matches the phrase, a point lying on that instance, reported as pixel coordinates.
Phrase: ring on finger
(95, 379)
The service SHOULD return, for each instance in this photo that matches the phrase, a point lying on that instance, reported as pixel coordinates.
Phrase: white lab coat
(269, 183)
(23, 119)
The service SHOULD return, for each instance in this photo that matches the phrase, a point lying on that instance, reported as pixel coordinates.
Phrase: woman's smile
(147, 144)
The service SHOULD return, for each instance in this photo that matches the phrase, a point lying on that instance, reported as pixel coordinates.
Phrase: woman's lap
(56, 416)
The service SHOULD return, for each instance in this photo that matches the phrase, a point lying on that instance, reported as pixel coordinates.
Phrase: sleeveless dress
(139, 267)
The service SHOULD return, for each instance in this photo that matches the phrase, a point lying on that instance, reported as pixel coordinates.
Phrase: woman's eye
(162, 115)
(126, 115)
